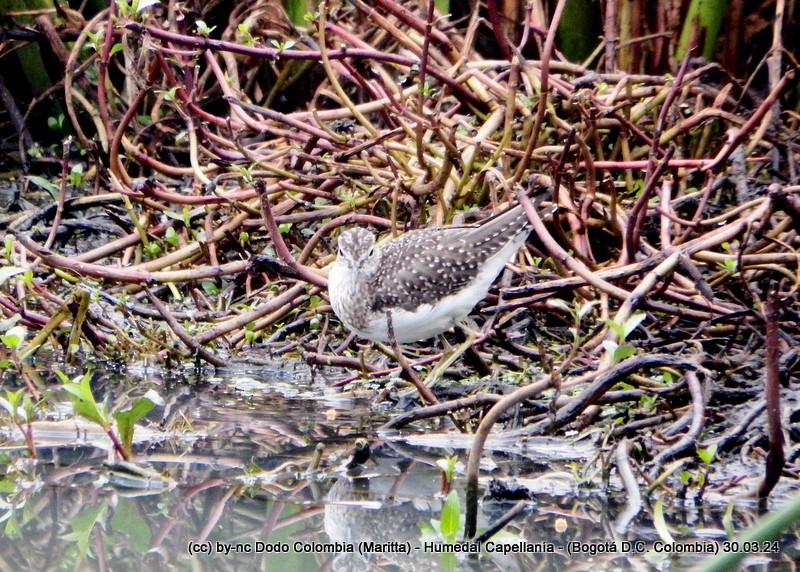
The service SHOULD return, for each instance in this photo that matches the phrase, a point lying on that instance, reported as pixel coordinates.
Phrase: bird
(427, 280)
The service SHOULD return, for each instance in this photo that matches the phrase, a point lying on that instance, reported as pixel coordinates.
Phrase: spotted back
(426, 265)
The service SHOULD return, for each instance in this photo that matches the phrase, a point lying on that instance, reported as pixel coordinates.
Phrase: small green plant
(283, 46)
(56, 123)
(127, 418)
(250, 335)
(706, 455)
(446, 529)
(76, 175)
(12, 337)
(648, 402)
(82, 526)
(620, 350)
(48, 186)
(153, 248)
(86, 406)
(171, 236)
(700, 477)
(203, 28)
(20, 409)
(210, 287)
(660, 522)
(245, 37)
(169, 94)
(95, 40)
(448, 467)
(246, 172)
(450, 523)
(730, 265)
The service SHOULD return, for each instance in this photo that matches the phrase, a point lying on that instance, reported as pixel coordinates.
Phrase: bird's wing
(423, 268)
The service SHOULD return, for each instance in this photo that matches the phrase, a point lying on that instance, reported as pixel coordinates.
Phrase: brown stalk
(197, 349)
(102, 71)
(772, 392)
(688, 443)
(239, 321)
(739, 136)
(126, 276)
(544, 78)
(280, 245)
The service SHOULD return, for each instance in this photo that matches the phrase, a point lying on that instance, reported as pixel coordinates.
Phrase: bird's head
(358, 252)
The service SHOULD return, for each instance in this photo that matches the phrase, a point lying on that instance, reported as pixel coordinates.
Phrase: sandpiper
(427, 280)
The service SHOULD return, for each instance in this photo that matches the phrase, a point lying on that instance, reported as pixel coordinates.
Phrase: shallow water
(246, 469)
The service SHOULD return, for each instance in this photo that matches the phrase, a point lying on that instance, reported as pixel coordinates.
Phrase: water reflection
(229, 475)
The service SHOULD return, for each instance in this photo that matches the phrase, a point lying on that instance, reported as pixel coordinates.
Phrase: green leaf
(623, 352)
(632, 323)
(203, 28)
(451, 517)
(12, 527)
(48, 186)
(9, 323)
(559, 304)
(610, 346)
(617, 328)
(728, 521)
(84, 402)
(75, 389)
(707, 455)
(7, 405)
(82, 526)
(584, 309)
(448, 466)
(14, 337)
(91, 412)
(128, 521)
(660, 523)
(172, 215)
(62, 376)
(127, 419)
(171, 236)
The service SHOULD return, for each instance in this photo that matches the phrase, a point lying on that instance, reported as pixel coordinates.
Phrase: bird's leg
(472, 357)
(423, 389)
(470, 335)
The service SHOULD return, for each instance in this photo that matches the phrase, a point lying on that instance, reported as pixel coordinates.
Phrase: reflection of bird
(385, 506)
(360, 455)
(427, 280)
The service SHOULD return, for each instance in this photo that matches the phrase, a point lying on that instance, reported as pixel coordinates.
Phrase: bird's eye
(371, 251)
